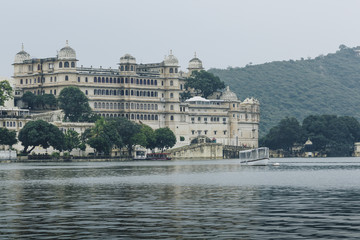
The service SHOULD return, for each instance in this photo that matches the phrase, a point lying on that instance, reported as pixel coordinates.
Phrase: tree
(332, 135)
(7, 137)
(41, 133)
(29, 98)
(165, 138)
(146, 137)
(103, 136)
(72, 140)
(204, 83)
(74, 103)
(284, 135)
(127, 130)
(5, 92)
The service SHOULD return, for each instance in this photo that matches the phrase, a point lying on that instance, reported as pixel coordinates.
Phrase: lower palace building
(146, 93)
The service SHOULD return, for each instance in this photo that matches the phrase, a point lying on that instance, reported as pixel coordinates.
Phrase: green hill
(325, 85)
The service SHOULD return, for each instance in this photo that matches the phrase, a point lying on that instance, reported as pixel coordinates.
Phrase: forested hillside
(325, 85)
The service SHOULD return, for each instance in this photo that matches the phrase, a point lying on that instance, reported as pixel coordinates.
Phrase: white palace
(147, 93)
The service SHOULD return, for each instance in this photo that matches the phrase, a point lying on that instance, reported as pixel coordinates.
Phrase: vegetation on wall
(325, 85)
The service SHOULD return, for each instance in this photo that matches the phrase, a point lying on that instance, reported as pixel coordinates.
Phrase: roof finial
(170, 52)
(67, 43)
(195, 54)
(22, 46)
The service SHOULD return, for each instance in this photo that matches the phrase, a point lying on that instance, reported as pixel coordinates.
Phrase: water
(219, 199)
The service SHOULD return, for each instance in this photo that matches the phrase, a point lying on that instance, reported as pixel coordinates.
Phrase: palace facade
(147, 93)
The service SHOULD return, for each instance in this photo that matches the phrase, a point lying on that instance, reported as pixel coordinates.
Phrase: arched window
(66, 64)
(38, 67)
(66, 78)
(110, 80)
(132, 80)
(122, 92)
(126, 92)
(171, 107)
(132, 68)
(122, 68)
(60, 64)
(118, 80)
(126, 68)
(122, 80)
(95, 79)
(111, 105)
(176, 70)
(86, 79)
(172, 118)
(156, 107)
(171, 70)
(152, 82)
(138, 106)
(171, 95)
(103, 105)
(72, 64)
(132, 116)
(156, 117)
(132, 92)
(78, 79)
(103, 80)
(144, 81)
(141, 106)
(148, 82)
(107, 92)
(107, 80)
(55, 92)
(171, 83)
(145, 117)
(86, 92)
(155, 82)
(21, 81)
(95, 105)
(103, 92)
(140, 81)
(122, 106)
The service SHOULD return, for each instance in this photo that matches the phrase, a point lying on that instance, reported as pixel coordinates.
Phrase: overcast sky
(222, 32)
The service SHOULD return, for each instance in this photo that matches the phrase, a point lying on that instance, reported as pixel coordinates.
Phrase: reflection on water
(301, 198)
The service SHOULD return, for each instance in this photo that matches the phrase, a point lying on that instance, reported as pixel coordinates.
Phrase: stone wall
(198, 151)
(8, 155)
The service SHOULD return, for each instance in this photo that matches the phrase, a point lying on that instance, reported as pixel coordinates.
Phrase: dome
(228, 95)
(67, 52)
(195, 63)
(21, 56)
(127, 58)
(171, 60)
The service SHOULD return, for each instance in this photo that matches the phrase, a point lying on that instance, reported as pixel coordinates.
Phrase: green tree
(127, 130)
(104, 136)
(7, 137)
(146, 137)
(332, 135)
(74, 103)
(48, 100)
(72, 140)
(284, 135)
(165, 138)
(5, 92)
(29, 98)
(41, 133)
(204, 83)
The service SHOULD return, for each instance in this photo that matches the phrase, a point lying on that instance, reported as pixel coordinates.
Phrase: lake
(208, 199)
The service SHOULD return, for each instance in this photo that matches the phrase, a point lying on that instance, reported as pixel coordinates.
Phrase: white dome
(195, 63)
(21, 56)
(228, 95)
(67, 52)
(171, 60)
(127, 58)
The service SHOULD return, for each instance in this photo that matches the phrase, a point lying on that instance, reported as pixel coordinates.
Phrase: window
(171, 70)
(171, 107)
(86, 79)
(66, 78)
(171, 83)
(78, 79)
(95, 79)
(172, 118)
(215, 132)
(86, 92)
(72, 64)
(55, 92)
(171, 95)
(21, 81)
(66, 64)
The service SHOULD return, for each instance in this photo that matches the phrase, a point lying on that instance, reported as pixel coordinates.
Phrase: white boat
(254, 157)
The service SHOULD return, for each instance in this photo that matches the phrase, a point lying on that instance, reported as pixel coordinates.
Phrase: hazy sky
(222, 32)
